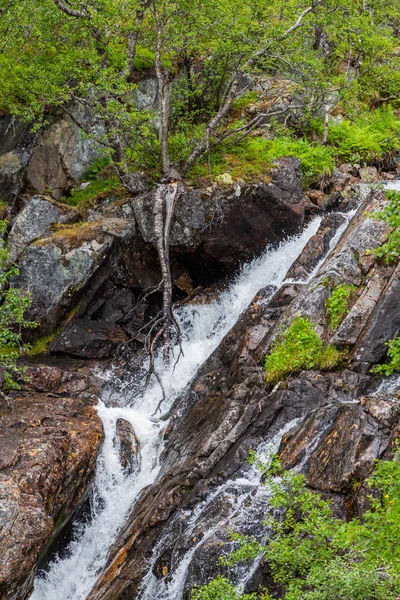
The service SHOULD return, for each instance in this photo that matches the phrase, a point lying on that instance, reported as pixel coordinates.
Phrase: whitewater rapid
(114, 493)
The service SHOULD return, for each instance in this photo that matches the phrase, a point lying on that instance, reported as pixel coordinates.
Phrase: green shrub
(311, 555)
(393, 366)
(13, 304)
(390, 251)
(220, 589)
(338, 304)
(300, 347)
(369, 137)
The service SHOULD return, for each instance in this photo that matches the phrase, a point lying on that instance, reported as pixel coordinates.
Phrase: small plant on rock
(390, 251)
(300, 347)
(393, 365)
(338, 304)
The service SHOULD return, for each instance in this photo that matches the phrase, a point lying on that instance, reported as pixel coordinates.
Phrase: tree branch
(78, 14)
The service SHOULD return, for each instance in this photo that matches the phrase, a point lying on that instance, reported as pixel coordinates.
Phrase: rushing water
(203, 328)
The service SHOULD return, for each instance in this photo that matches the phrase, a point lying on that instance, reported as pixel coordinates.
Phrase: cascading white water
(203, 327)
(247, 499)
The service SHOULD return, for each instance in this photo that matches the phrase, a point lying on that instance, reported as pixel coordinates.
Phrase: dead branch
(78, 14)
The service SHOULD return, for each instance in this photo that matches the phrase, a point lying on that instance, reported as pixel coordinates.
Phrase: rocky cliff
(88, 270)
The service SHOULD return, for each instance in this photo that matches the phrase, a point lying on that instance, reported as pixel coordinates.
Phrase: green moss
(95, 191)
(338, 304)
(41, 345)
(299, 347)
(254, 157)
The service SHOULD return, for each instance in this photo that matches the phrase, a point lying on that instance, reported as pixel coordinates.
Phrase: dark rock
(128, 445)
(261, 215)
(48, 451)
(316, 247)
(383, 325)
(89, 339)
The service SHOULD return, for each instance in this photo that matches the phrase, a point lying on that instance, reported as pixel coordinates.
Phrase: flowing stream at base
(203, 327)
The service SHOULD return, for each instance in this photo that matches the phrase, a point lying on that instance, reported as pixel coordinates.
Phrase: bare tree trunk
(327, 113)
(163, 100)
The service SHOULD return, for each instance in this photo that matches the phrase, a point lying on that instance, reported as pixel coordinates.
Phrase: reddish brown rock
(48, 449)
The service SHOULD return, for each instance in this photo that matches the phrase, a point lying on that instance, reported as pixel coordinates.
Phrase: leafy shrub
(369, 137)
(13, 304)
(220, 589)
(390, 251)
(394, 363)
(338, 304)
(300, 347)
(313, 555)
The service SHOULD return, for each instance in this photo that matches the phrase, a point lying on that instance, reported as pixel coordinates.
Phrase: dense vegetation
(311, 555)
(290, 74)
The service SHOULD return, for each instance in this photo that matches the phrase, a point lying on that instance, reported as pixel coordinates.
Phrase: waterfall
(203, 327)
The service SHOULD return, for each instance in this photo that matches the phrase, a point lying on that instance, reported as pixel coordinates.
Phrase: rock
(48, 451)
(64, 153)
(346, 452)
(129, 446)
(349, 168)
(369, 174)
(224, 179)
(33, 222)
(56, 269)
(383, 325)
(316, 247)
(89, 339)
(11, 168)
(261, 215)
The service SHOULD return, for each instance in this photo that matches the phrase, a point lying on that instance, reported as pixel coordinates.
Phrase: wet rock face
(341, 445)
(48, 449)
(129, 446)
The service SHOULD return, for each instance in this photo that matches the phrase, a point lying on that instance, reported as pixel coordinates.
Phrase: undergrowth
(94, 191)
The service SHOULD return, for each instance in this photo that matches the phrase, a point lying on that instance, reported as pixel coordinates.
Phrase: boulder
(48, 450)
(128, 446)
(54, 270)
(63, 153)
(33, 222)
(89, 339)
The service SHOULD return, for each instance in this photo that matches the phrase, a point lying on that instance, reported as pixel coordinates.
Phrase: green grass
(254, 157)
(338, 304)
(298, 348)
